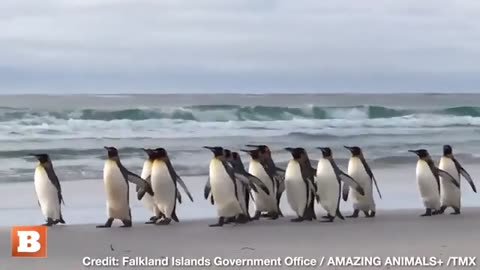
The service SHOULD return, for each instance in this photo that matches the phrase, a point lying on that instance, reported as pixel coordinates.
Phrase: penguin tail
(174, 216)
(339, 215)
(60, 220)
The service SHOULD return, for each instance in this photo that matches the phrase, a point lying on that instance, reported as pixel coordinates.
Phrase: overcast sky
(183, 46)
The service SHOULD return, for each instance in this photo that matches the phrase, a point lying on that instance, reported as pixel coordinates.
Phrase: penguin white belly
(147, 199)
(47, 194)
(223, 190)
(116, 188)
(296, 188)
(263, 202)
(357, 171)
(328, 187)
(163, 188)
(450, 195)
(427, 184)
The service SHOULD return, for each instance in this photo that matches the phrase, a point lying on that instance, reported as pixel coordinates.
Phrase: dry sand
(392, 233)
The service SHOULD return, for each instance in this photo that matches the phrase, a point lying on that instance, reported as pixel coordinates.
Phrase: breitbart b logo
(29, 241)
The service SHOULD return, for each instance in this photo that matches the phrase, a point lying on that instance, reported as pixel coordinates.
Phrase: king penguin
(275, 173)
(224, 188)
(299, 185)
(428, 180)
(147, 199)
(49, 191)
(264, 201)
(164, 181)
(115, 179)
(359, 170)
(253, 183)
(329, 178)
(450, 195)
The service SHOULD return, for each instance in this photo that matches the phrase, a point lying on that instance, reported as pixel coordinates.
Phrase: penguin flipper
(242, 179)
(184, 187)
(212, 201)
(345, 191)
(258, 183)
(465, 174)
(446, 175)
(347, 179)
(370, 173)
(179, 197)
(206, 190)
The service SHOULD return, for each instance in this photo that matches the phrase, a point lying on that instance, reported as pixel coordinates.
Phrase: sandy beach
(393, 233)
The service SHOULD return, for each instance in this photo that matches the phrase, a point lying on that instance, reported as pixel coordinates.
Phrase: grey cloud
(216, 45)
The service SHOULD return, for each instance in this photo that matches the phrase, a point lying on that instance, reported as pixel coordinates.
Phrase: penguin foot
(49, 223)
(371, 215)
(299, 219)
(441, 210)
(355, 214)
(154, 218)
(107, 224)
(273, 215)
(428, 213)
(327, 216)
(220, 223)
(457, 211)
(241, 219)
(330, 220)
(229, 220)
(165, 221)
(126, 223)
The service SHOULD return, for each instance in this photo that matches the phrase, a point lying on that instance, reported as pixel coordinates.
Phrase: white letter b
(28, 241)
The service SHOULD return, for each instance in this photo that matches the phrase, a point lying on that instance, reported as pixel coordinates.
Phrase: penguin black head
(112, 152)
(355, 150)
(263, 149)
(42, 158)
(255, 154)
(326, 151)
(421, 153)
(297, 153)
(447, 150)
(216, 150)
(150, 153)
(227, 154)
(161, 153)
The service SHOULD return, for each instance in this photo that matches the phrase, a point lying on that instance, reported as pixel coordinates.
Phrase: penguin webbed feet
(164, 221)
(428, 213)
(298, 219)
(328, 218)
(221, 221)
(50, 222)
(107, 224)
(127, 223)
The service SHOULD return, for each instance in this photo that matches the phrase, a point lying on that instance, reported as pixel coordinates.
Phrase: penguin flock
(231, 188)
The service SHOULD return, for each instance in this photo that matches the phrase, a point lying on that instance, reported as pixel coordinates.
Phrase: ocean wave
(224, 113)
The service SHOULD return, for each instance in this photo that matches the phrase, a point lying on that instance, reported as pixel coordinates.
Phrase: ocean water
(74, 129)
